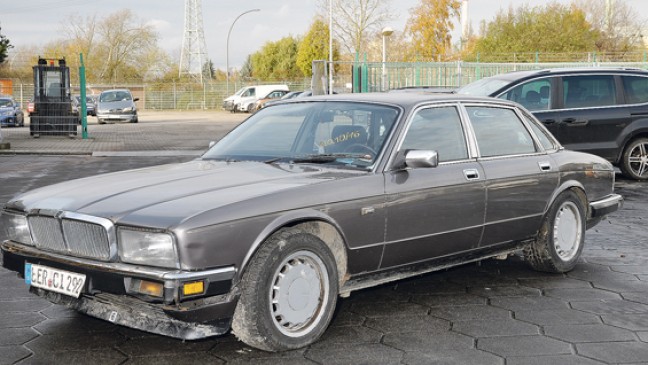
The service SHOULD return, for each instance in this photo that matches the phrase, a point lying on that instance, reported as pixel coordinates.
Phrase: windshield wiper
(326, 158)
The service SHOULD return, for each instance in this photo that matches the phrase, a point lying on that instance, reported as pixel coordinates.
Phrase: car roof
(406, 100)
(517, 75)
(112, 90)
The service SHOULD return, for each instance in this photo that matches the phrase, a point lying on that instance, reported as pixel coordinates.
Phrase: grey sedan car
(303, 202)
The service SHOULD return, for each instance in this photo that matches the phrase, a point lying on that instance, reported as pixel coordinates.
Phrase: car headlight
(5, 112)
(16, 228)
(147, 248)
(129, 109)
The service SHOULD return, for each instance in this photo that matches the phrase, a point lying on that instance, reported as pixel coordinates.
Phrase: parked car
(90, 106)
(116, 106)
(305, 201)
(273, 95)
(245, 98)
(597, 110)
(11, 114)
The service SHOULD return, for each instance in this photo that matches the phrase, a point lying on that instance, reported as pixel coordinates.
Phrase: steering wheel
(359, 147)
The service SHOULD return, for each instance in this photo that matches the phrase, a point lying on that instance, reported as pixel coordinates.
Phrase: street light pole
(330, 86)
(227, 46)
(386, 32)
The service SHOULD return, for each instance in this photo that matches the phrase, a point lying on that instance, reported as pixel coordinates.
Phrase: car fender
(635, 129)
(564, 186)
(337, 243)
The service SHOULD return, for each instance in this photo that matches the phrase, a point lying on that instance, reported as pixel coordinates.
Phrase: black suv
(602, 111)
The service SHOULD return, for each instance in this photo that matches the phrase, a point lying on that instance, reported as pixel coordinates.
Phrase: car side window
(636, 89)
(500, 132)
(533, 95)
(437, 129)
(588, 91)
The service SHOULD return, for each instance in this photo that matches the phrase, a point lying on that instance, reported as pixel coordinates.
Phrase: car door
(590, 118)
(435, 211)
(519, 175)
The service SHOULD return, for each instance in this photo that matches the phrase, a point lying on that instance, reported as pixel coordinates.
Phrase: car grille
(71, 237)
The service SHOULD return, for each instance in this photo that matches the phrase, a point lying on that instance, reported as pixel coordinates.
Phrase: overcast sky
(35, 22)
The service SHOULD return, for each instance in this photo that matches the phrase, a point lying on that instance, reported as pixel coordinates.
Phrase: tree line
(121, 47)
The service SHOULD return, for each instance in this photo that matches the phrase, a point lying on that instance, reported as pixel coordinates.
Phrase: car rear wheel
(288, 293)
(634, 163)
(561, 237)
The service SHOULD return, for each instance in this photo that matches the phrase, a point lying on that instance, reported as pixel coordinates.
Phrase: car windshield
(348, 134)
(5, 103)
(114, 96)
(483, 87)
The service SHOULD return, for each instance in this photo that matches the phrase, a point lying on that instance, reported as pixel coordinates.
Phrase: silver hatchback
(116, 105)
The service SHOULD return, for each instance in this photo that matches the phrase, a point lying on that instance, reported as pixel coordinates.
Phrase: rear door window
(588, 91)
(500, 132)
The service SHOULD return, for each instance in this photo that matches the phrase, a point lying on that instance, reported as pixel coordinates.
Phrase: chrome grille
(86, 239)
(47, 233)
(70, 236)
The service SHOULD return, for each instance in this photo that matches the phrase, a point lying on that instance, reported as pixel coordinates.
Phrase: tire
(634, 162)
(561, 238)
(292, 269)
(250, 108)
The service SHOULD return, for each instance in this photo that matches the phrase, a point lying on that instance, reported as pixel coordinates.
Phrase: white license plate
(55, 280)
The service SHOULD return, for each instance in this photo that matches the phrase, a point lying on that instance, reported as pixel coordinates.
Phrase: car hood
(169, 194)
(121, 104)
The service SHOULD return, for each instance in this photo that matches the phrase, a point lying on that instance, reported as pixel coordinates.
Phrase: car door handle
(575, 122)
(548, 121)
(471, 174)
(544, 166)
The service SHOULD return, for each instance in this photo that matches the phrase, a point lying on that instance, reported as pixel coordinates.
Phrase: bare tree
(354, 21)
(124, 39)
(620, 25)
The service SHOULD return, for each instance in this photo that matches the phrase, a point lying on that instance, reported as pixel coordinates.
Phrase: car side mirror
(421, 158)
(136, 99)
(415, 159)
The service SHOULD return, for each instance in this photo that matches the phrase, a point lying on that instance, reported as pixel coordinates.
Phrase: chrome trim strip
(116, 267)
(450, 231)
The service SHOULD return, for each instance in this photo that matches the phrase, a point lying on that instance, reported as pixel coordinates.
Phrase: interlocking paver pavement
(496, 312)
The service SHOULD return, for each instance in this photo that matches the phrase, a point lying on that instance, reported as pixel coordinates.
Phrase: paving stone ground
(496, 312)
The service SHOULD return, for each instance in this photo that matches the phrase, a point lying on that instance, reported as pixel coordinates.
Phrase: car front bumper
(105, 295)
(8, 120)
(117, 117)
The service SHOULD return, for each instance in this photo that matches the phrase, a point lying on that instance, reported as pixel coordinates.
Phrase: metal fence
(348, 77)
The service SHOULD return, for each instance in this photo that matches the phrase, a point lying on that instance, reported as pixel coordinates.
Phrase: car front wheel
(634, 162)
(288, 292)
(561, 237)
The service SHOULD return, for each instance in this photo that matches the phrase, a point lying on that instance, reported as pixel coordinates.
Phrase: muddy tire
(634, 162)
(561, 237)
(288, 292)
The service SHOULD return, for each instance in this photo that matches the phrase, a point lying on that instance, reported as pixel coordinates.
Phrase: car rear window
(636, 89)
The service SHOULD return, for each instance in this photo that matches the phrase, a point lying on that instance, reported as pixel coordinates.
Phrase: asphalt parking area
(497, 312)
